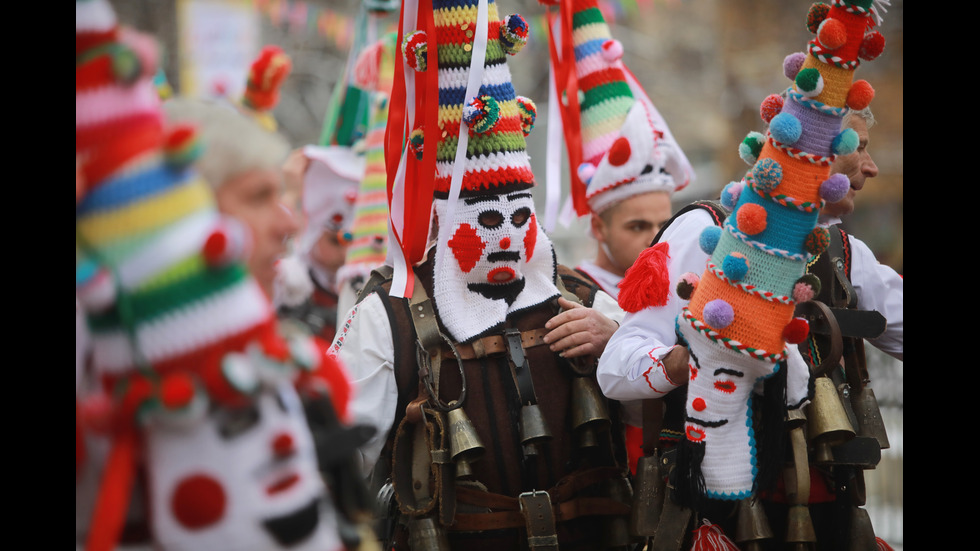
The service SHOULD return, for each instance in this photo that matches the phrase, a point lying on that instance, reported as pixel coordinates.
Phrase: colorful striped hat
(622, 143)
(175, 320)
(741, 311)
(373, 71)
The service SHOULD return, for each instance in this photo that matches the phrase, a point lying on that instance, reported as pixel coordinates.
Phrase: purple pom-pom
(718, 314)
(835, 188)
(792, 64)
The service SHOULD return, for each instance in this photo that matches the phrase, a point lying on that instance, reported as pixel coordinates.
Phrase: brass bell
(648, 497)
(533, 428)
(869, 421)
(827, 421)
(464, 443)
(616, 535)
(862, 533)
(799, 529)
(425, 534)
(589, 411)
(752, 524)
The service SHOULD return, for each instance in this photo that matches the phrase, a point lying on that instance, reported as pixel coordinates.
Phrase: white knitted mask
(498, 262)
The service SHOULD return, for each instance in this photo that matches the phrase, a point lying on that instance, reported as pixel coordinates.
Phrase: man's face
(629, 227)
(329, 252)
(253, 198)
(857, 166)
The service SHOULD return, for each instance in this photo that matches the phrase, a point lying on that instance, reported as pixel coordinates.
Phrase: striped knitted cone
(369, 229)
(492, 258)
(176, 321)
(627, 148)
(740, 315)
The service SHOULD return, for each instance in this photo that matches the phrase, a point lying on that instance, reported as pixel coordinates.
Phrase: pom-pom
(619, 152)
(771, 106)
(751, 218)
(612, 50)
(647, 281)
(292, 285)
(126, 65)
(809, 82)
(94, 287)
(710, 537)
(735, 266)
(818, 12)
(414, 49)
(860, 95)
(687, 285)
(265, 78)
(730, 194)
(708, 239)
(227, 243)
(767, 174)
(182, 147)
(806, 288)
(785, 128)
(528, 112)
(718, 314)
(481, 114)
(846, 142)
(832, 34)
(872, 46)
(835, 188)
(240, 374)
(415, 143)
(513, 33)
(176, 391)
(750, 147)
(817, 241)
(796, 331)
(586, 171)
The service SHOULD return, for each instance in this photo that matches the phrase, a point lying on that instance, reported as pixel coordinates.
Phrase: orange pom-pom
(647, 282)
(751, 218)
(860, 95)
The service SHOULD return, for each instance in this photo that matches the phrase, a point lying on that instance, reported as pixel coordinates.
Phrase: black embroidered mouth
(288, 530)
(707, 424)
(499, 291)
(499, 256)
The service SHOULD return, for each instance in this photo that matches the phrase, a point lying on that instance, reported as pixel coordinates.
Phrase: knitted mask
(617, 140)
(466, 149)
(740, 314)
(177, 323)
(239, 478)
(499, 262)
(329, 192)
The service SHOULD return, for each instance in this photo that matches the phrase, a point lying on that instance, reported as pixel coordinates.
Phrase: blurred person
(646, 358)
(243, 163)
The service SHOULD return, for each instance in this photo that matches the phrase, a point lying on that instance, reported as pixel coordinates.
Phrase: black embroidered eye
(233, 422)
(491, 219)
(520, 217)
(647, 169)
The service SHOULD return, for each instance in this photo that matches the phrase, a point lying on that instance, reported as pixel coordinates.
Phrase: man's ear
(597, 228)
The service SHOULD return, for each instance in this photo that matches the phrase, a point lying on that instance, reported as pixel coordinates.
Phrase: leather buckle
(539, 520)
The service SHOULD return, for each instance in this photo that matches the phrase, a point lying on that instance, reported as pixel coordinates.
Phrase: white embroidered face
(494, 237)
(243, 478)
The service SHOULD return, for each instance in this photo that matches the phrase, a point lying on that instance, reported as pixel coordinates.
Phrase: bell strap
(494, 344)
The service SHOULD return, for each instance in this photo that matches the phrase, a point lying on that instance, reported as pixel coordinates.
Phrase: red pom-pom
(872, 46)
(771, 106)
(710, 537)
(818, 12)
(215, 247)
(751, 218)
(796, 331)
(832, 34)
(647, 282)
(198, 501)
(860, 95)
(620, 152)
(176, 391)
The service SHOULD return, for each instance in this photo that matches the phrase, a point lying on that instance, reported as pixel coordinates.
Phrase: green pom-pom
(817, 241)
(750, 147)
(126, 65)
(809, 82)
(415, 141)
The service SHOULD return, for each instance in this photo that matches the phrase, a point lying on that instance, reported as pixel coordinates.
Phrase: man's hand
(578, 330)
(675, 365)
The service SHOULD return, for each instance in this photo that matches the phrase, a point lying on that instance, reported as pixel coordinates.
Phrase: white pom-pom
(293, 284)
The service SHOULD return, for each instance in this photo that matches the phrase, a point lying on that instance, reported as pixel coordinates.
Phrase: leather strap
(495, 344)
(539, 520)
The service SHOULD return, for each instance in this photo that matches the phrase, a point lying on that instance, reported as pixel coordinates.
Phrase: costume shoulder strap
(715, 209)
(580, 288)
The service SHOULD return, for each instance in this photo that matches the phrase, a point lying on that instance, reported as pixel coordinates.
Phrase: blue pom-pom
(785, 128)
(718, 314)
(735, 266)
(846, 142)
(835, 188)
(731, 193)
(767, 174)
(709, 239)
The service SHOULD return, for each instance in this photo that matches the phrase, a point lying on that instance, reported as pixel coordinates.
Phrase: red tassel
(883, 545)
(709, 537)
(113, 500)
(647, 281)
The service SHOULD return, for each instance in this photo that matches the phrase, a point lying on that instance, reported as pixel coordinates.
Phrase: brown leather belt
(495, 344)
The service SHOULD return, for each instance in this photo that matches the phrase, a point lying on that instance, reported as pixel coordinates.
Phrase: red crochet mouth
(501, 275)
(282, 484)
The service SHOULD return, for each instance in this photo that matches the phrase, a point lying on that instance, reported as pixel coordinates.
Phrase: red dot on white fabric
(620, 152)
(505, 243)
(198, 501)
(283, 445)
(698, 404)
